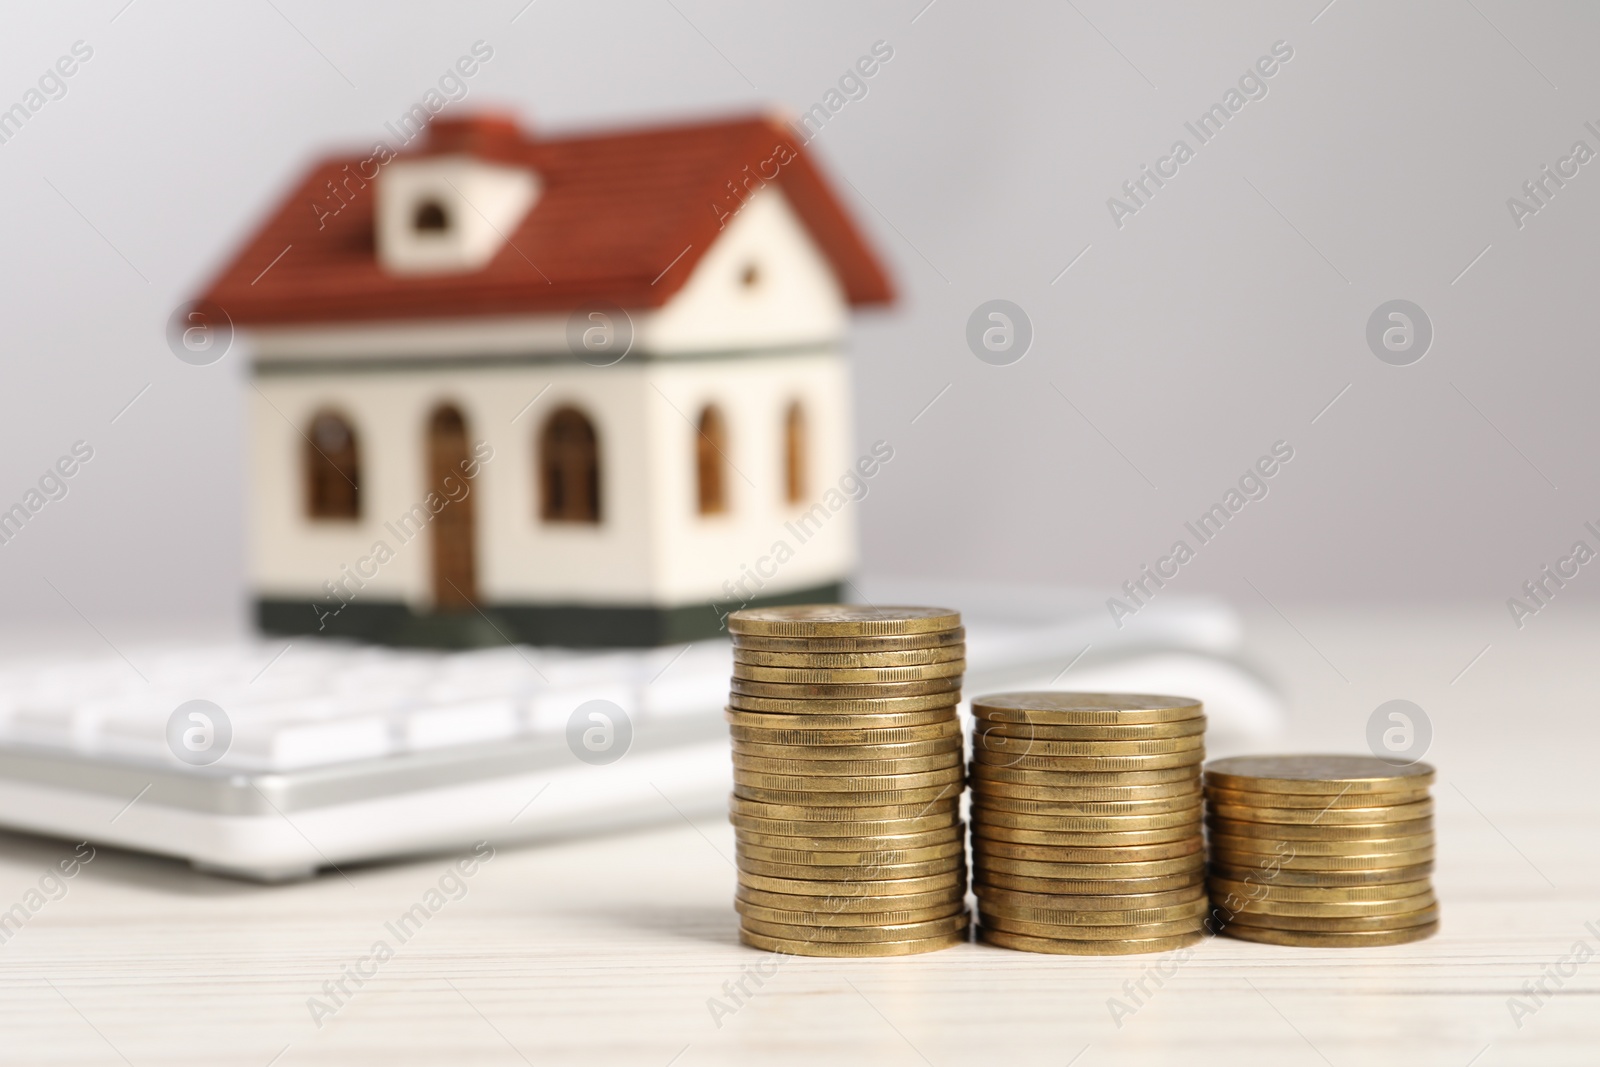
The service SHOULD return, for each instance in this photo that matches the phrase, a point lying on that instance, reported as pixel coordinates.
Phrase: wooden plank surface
(616, 950)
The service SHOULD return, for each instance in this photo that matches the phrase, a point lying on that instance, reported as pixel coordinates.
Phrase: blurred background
(1172, 344)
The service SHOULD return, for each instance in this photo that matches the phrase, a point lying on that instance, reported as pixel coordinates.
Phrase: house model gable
(763, 281)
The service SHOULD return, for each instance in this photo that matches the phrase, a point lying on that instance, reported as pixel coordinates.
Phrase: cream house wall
(651, 545)
(694, 554)
(292, 555)
(750, 349)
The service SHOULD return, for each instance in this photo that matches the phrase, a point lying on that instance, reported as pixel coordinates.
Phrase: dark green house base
(568, 625)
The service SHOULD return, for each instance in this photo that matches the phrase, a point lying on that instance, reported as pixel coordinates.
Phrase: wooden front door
(455, 561)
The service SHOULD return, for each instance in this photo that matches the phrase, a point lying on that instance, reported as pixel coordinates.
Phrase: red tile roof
(615, 210)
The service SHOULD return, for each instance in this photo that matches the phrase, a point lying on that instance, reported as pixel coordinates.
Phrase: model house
(564, 390)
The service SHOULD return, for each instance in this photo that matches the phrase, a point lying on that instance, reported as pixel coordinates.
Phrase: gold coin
(1318, 831)
(1287, 877)
(1077, 932)
(1370, 862)
(1049, 766)
(1065, 779)
(943, 820)
(1150, 731)
(847, 729)
(1336, 910)
(1188, 809)
(1103, 887)
(1068, 947)
(1192, 895)
(1093, 854)
(834, 676)
(866, 798)
(837, 768)
(1192, 910)
(1052, 708)
(835, 918)
(741, 687)
(1089, 823)
(1119, 871)
(1188, 788)
(947, 806)
(1321, 848)
(1064, 768)
(933, 639)
(1078, 839)
(845, 903)
(1003, 751)
(1065, 772)
(1047, 800)
(939, 746)
(941, 730)
(911, 657)
(849, 783)
(949, 924)
(871, 872)
(955, 832)
(851, 949)
(1222, 888)
(1218, 795)
(833, 713)
(1317, 774)
(1330, 817)
(841, 620)
(1315, 939)
(1091, 807)
(854, 858)
(887, 887)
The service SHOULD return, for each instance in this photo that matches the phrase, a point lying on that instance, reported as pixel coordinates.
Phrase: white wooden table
(608, 951)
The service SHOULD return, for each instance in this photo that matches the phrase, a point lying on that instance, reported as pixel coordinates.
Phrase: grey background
(1224, 316)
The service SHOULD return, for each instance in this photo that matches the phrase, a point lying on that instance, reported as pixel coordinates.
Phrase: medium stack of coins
(1321, 850)
(847, 769)
(1086, 822)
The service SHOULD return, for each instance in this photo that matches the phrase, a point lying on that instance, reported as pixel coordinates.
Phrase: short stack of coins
(1321, 850)
(848, 774)
(1086, 832)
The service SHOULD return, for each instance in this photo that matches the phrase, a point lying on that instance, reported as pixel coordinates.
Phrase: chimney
(484, 133)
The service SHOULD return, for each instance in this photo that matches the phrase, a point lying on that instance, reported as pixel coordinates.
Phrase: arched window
(569, 468)
(710, 453)
(794, 453)
(332, 469)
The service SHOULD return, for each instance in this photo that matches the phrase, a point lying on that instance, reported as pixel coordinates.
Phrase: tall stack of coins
(1086, 822)
(847, 769)
(1321, 850)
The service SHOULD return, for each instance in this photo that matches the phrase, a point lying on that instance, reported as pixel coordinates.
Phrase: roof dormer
(449, 213)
